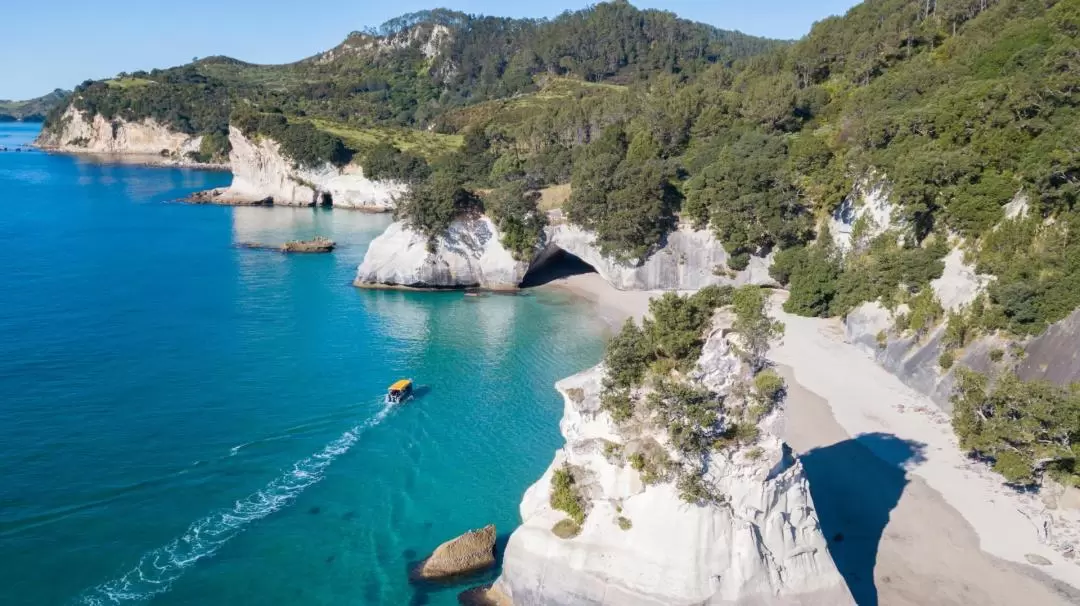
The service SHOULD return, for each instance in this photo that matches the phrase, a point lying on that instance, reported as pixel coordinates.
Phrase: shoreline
(132, 159)
(954, 534)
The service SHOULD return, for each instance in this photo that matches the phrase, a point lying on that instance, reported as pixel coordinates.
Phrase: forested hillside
(32, 110)
(415, 70)
(954, 106)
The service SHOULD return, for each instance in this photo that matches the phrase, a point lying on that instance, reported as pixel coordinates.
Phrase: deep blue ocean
(187, 422)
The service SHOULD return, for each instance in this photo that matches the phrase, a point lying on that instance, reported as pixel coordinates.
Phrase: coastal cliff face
(471, 254)
(688, 261)
(78, 133)
(262, 172)
(762, 545)
(913, 358)
(468, 255)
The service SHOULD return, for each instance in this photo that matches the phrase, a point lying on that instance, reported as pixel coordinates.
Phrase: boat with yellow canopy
(399, 391)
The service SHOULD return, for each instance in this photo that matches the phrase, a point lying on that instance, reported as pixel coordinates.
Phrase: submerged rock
(318, 244)
(762, 544)
(471, 552)
(485, 595)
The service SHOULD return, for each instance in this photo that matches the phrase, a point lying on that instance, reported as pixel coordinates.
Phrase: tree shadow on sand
(855, 484)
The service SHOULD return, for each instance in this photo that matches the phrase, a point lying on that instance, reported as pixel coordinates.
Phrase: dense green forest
(954, 106)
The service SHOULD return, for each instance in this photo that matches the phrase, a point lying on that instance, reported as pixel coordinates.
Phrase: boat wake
(157, 569)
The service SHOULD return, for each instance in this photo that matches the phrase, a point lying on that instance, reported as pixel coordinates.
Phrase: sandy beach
(909, 519)
(612, 305)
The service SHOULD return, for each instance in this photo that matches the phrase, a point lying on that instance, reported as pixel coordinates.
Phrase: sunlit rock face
(75, 131)
(764, 545)
(468, 255)
(262, 172)
(689, 259)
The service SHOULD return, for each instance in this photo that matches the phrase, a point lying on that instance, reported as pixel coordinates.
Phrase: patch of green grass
(126, 83)
(273, 77)
(507, 113)
(361, 139)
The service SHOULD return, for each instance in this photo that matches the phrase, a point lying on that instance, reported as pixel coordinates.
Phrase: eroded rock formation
(78, 133)
(262, 172)
(471, 255)
(761, 545)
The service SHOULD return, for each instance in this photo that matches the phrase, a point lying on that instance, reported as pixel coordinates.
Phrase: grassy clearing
(361, 139)
(126, 83)
(554, 197)
(507, 112)
(273, 77)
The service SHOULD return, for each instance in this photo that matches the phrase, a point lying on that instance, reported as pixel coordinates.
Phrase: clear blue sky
(59, 43)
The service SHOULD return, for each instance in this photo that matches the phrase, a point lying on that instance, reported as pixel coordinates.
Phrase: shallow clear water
(186, 422)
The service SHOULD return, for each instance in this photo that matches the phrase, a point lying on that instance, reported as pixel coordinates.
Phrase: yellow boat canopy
(400, 385)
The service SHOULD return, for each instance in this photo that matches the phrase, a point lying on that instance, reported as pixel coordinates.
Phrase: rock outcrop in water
(471, 255)
(261, 173)
(147, 140)
(471, 552)
(761, 545)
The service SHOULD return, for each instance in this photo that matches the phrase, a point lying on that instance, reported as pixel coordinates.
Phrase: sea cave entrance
(553, 264)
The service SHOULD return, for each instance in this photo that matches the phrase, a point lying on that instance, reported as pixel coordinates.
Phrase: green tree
(515, 212)
(626, 357)
(1025, 428)
(756, 329)
(431, 205)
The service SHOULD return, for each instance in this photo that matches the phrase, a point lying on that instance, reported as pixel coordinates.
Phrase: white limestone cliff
(262, 172)
(914, 358)
(763, 545)
(468, 255)
(688, 260)
(863, 215)
(472, 255)
(76, 132)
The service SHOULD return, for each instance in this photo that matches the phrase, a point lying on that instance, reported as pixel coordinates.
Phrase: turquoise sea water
(186, 422)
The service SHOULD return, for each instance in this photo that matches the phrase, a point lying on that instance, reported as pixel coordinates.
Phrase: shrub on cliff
(300, 141)
(514, 209)
(756, 329)
(565, 496)
(626, 358)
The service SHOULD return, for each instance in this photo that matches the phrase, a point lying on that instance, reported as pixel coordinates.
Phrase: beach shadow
(855, 485)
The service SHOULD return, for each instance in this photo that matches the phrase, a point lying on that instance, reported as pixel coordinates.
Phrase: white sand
(612, 305)
(865, 399)
(936, 526)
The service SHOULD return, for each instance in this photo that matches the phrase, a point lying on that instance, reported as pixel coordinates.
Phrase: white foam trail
(157, 569)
